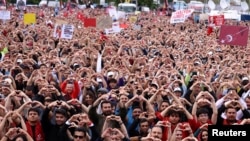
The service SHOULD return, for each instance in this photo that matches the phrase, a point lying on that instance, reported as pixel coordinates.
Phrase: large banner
(104, 22)
(233, 35)
(180, 15)
(4, 15)
(29, 18)
(115, 28)
(67, 31)
(217, 20)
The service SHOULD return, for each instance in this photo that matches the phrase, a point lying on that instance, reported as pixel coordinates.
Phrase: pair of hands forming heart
(13, 132)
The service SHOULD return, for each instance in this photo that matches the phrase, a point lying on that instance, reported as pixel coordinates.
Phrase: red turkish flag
(233, 35)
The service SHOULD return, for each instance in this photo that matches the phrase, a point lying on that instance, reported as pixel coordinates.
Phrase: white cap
(75, 64)
(245, 78)
(197, 62)
(210, 53)
(177, 89)
(99, 80)
(110, 73)
(8, 80)
(19, 61)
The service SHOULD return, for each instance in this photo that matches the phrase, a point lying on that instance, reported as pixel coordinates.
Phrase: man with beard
(227, 113)
(99, 119)
(230, 115)
(155, 134)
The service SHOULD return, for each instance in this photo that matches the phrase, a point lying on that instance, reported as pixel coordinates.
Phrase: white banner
(4, 15)
(180, 15)
(67, 31)
(113, 14)
(115, 28)
(57, 31)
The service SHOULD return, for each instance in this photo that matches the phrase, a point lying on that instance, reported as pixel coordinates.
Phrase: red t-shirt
(196, 124)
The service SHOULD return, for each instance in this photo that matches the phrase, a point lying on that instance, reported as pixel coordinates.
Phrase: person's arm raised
(186, 112)
(98, 101)
(150, 108)
(130, 102)
(164, 112)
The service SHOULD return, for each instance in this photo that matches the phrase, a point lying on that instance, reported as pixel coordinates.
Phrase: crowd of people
(163, 82)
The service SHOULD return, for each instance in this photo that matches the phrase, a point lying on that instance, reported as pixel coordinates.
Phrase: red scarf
(39, 135)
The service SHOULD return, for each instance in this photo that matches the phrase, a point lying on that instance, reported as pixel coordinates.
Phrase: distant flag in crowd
(90, 22)
(233, 35)
(68, 5)
(123, 25)
(209, 30)
(80, 16)
(61, 4)
(4, 2)
(103, 37)
(211, 4)
(65, 14)
(41, 13)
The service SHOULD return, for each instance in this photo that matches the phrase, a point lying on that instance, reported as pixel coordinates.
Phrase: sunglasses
(80, 137)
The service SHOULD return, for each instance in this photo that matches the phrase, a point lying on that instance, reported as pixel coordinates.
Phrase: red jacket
(74, 93)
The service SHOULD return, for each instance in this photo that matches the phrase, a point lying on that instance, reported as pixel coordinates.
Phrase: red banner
(89, 22)
(217, 20)
(233, 35)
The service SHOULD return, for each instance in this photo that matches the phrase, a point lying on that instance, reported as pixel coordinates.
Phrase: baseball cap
(245, 78)
(177, 89)
(110, 73)
(102, 90)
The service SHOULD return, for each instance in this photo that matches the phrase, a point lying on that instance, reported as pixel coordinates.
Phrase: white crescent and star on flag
(228, 38)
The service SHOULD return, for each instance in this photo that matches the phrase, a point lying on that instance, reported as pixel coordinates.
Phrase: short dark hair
(142, 121)
(62, 112)
(202, 111)
(21, 136)
(43, 65)
(230, 107)
(174, 112)
(32, 109)
(158, 126)
(112, 80)
(166, 101)
(105, 102)
(136, 107)
(81, 129)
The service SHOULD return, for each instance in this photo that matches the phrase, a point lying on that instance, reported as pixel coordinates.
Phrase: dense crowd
(163, 82)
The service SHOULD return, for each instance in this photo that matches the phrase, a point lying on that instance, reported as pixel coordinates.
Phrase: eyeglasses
(80, 137)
